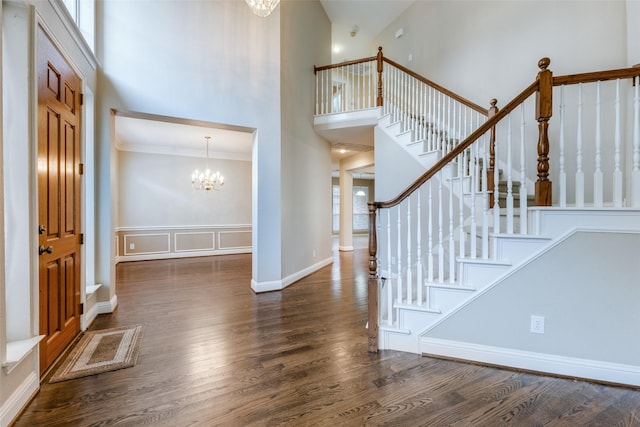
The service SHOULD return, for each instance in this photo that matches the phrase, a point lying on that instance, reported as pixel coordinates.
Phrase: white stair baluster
(423, 111)
(399, 256)
(414, 105)
(485, 199)
(430, 236)
(523, 176)
(419, 274)
(579, 172)
(428, 119)
(389, 270)
(496, 196)
(437, 124)
(322, 94)
(561, 158)
(440, 232)
(448, 128)
(404, 100)
(452, 243)
(597, 175)
(509, 179)
(617, 170)
(473, 233)
(635, 174)
(354, 89)
(409, 260)
(461, 178)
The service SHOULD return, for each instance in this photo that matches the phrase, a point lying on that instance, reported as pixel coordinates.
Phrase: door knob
(48, 249)
(41, 229)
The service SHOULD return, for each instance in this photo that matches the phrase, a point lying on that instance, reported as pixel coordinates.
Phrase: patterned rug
(101, 351)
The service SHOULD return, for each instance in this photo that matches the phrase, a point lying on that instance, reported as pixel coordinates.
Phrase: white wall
(390, 179)
(306, 157)
(202, 60)
(155, 191)
(17, 170)
(490, 48)
(633, 32)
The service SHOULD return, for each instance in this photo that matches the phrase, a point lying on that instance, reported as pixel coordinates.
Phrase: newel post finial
(379, 101)
(544, 111)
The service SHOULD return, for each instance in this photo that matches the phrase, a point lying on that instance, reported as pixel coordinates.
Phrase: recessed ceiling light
(342, 151)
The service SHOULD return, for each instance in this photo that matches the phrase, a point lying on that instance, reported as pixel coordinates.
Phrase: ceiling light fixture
(262, 8)
(207, 180)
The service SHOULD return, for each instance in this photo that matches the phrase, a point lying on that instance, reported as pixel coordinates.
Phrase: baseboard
(277, 285)
(573, 367)
(105, 307)
(274, 285)
(20, 398)
(190, 254)
(292, 278)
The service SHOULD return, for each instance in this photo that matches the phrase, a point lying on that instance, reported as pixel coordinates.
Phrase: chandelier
(262, 8)
(207, 180)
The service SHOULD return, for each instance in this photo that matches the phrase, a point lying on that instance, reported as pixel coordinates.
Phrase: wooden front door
(58, 200)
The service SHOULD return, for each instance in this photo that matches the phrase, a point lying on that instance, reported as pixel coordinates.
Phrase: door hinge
(82, 238)
(81, 168)
(82, 99)
(81, 308)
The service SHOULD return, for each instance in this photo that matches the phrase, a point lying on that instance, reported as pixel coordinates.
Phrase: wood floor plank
(215, 353)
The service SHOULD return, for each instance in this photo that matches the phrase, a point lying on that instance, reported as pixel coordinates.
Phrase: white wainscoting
(163, 242)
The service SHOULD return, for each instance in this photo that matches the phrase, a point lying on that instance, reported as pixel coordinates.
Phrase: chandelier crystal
(262, 8)
(207, 180)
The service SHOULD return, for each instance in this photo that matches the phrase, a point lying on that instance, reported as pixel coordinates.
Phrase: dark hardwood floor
(215, 353)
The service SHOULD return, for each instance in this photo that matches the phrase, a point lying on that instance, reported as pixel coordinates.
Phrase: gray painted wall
(306, 157)
(155, 190)
(586, 288)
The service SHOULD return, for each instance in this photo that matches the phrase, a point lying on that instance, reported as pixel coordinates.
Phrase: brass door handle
(42, 250)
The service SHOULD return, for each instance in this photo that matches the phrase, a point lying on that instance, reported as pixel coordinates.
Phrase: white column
(346, 210)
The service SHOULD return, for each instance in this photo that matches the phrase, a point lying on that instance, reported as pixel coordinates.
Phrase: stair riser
(479, 276)
(515, 250)
(446, 299)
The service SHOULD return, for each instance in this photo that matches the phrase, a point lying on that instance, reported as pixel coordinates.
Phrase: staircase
(452, 246)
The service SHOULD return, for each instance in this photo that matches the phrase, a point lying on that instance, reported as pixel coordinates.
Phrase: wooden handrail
(343, 64)
(449, 157)
(436, 86)
(621, 73)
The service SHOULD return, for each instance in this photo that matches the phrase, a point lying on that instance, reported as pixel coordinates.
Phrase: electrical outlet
(132, 246)
(537, 324)
(314, 253)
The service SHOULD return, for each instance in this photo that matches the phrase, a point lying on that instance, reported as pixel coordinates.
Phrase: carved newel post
(493, 110)
(372, 283)
(379, 68)
(544, 106)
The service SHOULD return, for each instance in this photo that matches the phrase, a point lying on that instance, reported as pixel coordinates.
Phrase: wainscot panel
(160, 242)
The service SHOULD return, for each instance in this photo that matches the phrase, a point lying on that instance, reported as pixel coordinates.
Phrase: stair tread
(416, 307)
(483, 261)
(448, 286)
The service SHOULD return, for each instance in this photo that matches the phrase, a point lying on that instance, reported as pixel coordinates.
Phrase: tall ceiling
(167, 135)
(367, 17)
